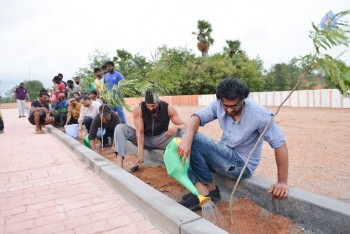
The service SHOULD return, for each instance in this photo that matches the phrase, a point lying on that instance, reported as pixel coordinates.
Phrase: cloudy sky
(49, 37)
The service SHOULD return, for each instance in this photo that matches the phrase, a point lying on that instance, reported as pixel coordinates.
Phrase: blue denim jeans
(87, 122)
(120, 112)
(209, 155)
(106, 134)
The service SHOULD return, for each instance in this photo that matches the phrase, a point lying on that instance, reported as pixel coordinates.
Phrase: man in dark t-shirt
(151, 119)
(40, 113)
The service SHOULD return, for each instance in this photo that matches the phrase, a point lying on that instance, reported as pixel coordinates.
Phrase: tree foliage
(176, 71)
(204, 36)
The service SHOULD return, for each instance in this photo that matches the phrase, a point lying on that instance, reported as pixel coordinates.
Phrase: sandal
(134, 168)
(39, 131)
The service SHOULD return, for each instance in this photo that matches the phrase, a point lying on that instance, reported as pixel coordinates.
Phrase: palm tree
(233, 48)
(203, 36)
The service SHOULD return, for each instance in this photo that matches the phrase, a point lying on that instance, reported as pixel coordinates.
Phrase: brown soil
(248, 217)
(318, 142)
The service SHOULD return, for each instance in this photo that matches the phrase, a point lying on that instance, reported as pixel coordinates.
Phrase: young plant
(332, 32)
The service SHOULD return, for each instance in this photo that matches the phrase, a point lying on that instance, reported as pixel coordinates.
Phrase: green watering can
(173, 164)
(86, 141)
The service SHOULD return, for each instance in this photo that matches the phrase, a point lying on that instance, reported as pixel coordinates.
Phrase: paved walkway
(45, 189)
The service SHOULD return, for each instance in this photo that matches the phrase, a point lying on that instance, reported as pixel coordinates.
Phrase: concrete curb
(316, 213)
(163, 212)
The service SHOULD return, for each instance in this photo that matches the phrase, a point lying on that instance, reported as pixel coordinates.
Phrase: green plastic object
(173, 164)
(86, 141)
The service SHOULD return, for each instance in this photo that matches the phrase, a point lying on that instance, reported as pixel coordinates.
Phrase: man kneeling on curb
(110, 120)
(151, 120)
(242, 121)
(40, 114)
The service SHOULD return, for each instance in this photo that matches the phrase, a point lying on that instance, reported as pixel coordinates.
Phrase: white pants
(21, 106)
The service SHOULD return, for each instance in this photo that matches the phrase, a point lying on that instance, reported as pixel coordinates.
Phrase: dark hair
(93, 92)
(85, 97)
(60, 75)
(77, 77)
(70, 82)
(43, 93)
(97, 70)
(104, 110)
(110, 63)
(77, 93)
(56, 78)
(151, 97)
(104, 66)
(232, 89)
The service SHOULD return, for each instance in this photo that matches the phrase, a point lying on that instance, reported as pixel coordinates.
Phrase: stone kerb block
(162, 211)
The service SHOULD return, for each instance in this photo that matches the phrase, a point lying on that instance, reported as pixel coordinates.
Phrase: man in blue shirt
(242, 121)
(61, 110)
(112, 78)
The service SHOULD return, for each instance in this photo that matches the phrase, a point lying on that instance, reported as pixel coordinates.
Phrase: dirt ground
(318, 163)
(248, 217)
(318, 141)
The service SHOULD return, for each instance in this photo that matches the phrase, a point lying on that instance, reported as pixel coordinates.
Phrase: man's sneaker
(191, 202)
(184, 197)
(215, 195)
(19, 116)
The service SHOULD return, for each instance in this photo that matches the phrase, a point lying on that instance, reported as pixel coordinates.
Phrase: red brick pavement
(45, 189)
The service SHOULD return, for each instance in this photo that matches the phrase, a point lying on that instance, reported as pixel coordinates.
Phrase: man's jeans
(120, 112)
(209, 155)
(88, 122)
(106, 134)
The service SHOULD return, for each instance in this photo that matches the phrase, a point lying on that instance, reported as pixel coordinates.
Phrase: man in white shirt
(88, 111)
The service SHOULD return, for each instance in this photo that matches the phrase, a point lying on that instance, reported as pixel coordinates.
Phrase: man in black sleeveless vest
(152, 131)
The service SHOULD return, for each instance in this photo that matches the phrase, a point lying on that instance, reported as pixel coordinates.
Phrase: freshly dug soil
(248, 217)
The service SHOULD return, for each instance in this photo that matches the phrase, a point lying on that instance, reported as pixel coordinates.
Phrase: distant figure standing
(59, 87)
(99, 85)
(77, 80)
(61, 77)
(20, 96)
(104, 69)
(71, 89)
(112, 78)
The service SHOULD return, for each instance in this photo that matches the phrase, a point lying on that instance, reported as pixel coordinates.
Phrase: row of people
(241, 120)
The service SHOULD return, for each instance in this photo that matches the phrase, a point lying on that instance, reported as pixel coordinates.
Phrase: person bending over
(110, 120)
(152, 131)
(242, 121)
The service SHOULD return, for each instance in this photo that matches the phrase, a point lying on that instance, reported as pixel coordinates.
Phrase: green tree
(33, 87)
(123, 62)
(87, 76)
(233, 48)
(167, 68)
(204, 36)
